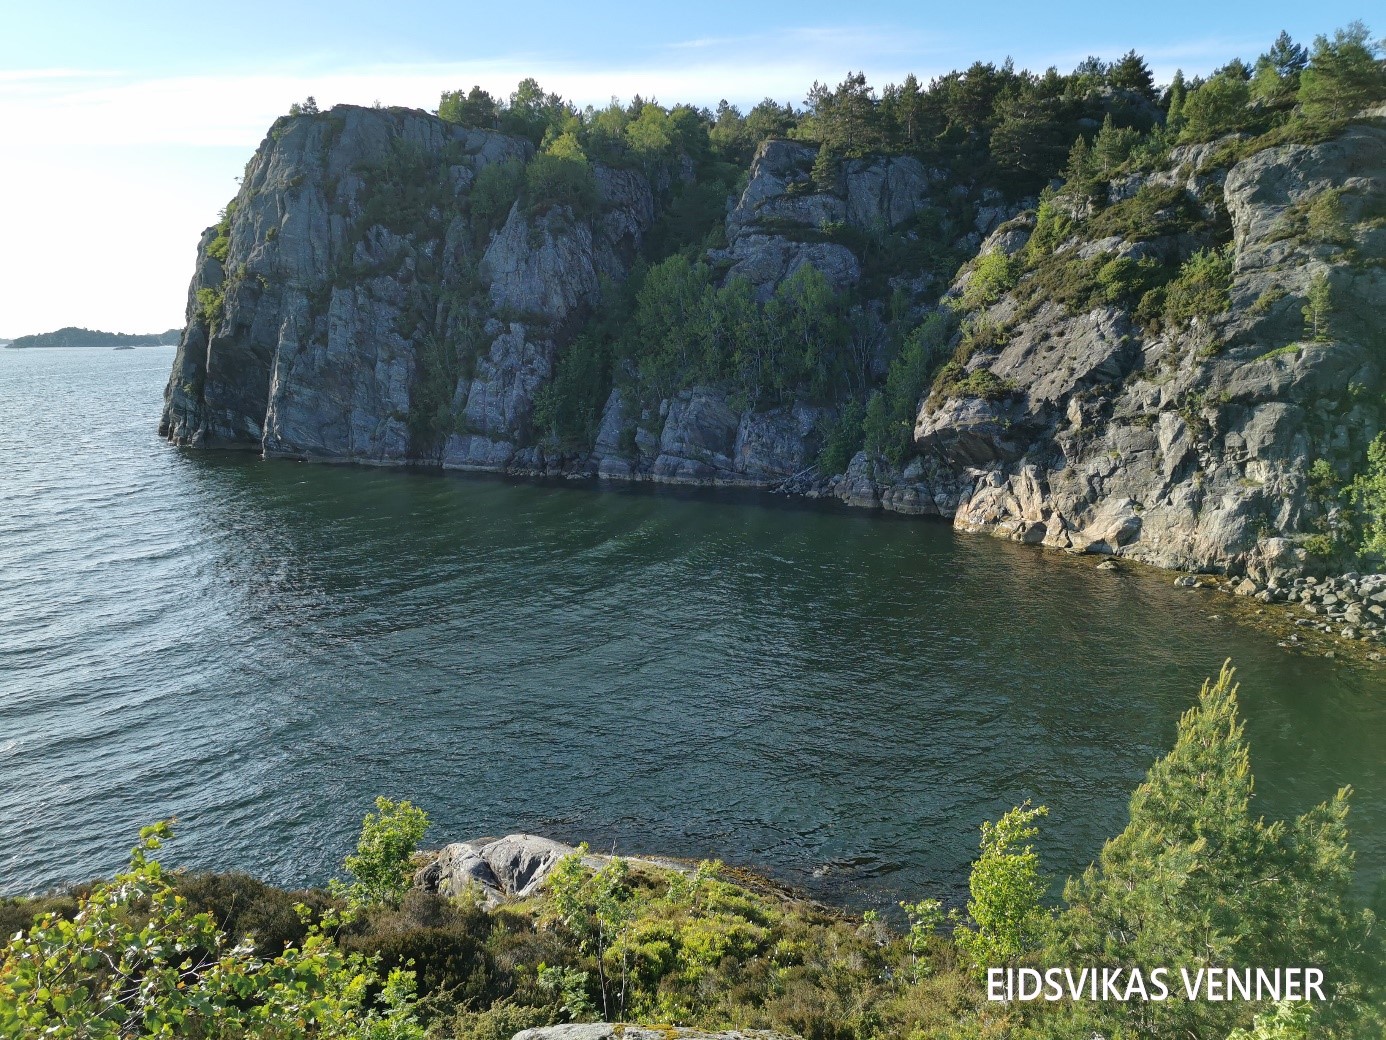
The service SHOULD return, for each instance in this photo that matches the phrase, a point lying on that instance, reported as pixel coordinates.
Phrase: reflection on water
(260, 648)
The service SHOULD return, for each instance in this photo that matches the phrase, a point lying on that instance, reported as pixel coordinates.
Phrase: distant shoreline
(83, 347)
(74, 338)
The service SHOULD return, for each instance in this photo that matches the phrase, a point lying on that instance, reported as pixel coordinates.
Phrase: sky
(124, 127)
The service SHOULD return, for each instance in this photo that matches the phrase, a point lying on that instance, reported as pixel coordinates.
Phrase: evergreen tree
(1217, 107)
(1286, 57)
(474, 108)
(1174, 106)
(1344, 74)
(1132, 73)
(1196, 880)
(1318, 305)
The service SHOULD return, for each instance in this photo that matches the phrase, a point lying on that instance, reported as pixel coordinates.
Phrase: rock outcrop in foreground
(357, 307)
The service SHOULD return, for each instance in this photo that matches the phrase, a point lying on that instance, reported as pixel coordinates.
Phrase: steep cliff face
(359, 313)
(363, 303)
(1190, 446)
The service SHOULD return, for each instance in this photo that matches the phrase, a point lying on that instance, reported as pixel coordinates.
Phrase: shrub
(136, 960)
(842, 438)
(247, 909)
(494, 191)
(561, 176)
(1203, 288)
(1006, 885)
(994, 274)
(381, 864)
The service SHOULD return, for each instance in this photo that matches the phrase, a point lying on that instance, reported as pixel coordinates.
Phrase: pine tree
(1343, 75)
(1287, 57)
(1178, 93)
(1196, 880)
(1317, 309)
(1132, 73)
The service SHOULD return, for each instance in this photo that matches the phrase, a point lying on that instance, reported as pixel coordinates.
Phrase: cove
(260, 648)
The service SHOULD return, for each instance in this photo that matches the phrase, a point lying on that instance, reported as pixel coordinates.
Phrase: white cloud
(110, 175)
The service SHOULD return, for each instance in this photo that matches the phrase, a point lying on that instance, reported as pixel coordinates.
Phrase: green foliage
(686, 331)
(1007, 916)
(1196, 879)
(1344, 74)
(1318, 305)
(889, 430)
(136, 960)
(1287, 1020)
(1217, 107)
(475, 108)
(381, 866)
(954, 380)
(210, 305)
(220, 246)
(494, 191)
(842, 438)
(1153, 212)
(924, 917)
(561, 176)
(442, 356)
(568, 407)
(1052, 228)
(1368, 493)
(1202, 290)
(993, 275)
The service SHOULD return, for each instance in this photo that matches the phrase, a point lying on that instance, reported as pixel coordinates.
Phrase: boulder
(497, 869)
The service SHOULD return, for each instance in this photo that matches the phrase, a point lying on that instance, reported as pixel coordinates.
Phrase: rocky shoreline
(1079, 426)
(1328, 617)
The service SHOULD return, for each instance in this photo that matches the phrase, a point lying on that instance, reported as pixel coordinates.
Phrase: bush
(494, 191)
(381, 865)
(993, 275)
(1006, 885)
(135, 959)
(1203, 288)
(842, 438)
(247, 909)
(561, 177)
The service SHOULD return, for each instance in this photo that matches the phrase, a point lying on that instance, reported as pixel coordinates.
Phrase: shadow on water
(833, 697)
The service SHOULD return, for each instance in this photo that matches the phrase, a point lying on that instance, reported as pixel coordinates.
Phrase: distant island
(74, 337)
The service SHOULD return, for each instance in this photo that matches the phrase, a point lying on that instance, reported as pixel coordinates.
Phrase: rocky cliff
(359, 303)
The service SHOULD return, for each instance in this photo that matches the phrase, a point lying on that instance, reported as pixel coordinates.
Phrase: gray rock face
(1189, 449)
(327, 318)
(701, 439)
(337, 326)
(781, 223)
(512, 867)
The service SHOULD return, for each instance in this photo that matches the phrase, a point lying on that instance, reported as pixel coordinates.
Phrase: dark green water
(838, 699)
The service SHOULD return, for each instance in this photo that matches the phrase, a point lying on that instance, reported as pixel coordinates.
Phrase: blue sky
(127, 124)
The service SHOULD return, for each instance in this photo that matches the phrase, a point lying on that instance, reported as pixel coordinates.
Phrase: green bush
(1203, 288)
(842, 438)
(1007, 918)
(381, 866)
(993, 275)
(135, 959)
(494, 191)
(561, 179)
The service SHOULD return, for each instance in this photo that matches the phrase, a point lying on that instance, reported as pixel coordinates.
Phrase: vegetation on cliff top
(1195, 880)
